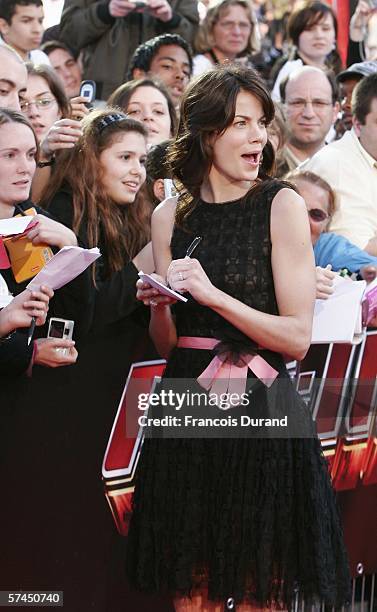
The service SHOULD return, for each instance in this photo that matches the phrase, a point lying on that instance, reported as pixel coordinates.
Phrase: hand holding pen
(175, 272)
(25, 308)
(150, 296)
(187, 276)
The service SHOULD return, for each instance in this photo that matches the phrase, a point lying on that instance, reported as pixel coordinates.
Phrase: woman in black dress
(250, 520)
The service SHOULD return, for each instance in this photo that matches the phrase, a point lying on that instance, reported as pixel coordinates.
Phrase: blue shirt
(336, 250)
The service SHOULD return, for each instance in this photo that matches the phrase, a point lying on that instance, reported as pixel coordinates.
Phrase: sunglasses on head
(317, 215)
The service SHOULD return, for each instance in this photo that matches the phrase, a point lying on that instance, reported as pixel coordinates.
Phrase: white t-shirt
(201, 63)
(36, 55)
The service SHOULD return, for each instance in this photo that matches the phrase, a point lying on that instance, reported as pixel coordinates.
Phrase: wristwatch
(44, 164)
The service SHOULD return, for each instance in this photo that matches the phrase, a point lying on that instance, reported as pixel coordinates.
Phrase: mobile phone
(169, 188)
(88, 91)
(60, 328)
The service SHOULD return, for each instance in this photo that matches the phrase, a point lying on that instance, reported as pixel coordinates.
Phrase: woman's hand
(187, 275)
(151, 296)
(50, 353)
(62, 135)
(79, 108)
(324, 282)
(23, 307)
(48, 231)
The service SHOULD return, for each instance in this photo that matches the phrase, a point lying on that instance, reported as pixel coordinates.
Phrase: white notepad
(338, 319)
(63, 267)
(147, 278)
(15, 225)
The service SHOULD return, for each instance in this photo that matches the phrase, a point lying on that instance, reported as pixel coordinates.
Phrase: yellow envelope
(26, 259)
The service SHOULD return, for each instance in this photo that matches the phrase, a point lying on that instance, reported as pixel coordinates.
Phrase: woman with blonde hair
(228, 32)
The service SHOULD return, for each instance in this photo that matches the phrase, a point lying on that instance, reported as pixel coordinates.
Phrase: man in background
(310, 105)
(109, 32)
(347, 81)
(13, 78)
(21, 27)
(167, 57)
(66, 64)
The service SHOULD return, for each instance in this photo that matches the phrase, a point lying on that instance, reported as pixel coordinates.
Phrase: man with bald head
(13, 78)
(309, 98)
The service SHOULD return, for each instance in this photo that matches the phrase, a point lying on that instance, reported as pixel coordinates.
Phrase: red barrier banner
(122, 452)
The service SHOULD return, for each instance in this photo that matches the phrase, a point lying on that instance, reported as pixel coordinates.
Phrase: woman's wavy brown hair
(208, 108)
(204, 40)
(124, 229)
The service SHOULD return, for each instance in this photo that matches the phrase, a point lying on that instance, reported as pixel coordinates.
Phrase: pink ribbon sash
(222, 375)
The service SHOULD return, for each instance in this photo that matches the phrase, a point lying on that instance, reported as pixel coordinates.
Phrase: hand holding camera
(160, 9)
(79, 107)
(58, 349)
(55, 352)
(121, 8)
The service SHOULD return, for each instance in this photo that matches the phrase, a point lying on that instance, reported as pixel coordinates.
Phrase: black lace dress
(252, 519)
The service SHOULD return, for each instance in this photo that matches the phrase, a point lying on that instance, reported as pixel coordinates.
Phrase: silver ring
(180, 276)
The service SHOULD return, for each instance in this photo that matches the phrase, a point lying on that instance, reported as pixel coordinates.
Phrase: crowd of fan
(141, 57)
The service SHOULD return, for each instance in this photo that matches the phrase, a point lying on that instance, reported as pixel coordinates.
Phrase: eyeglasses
(300, 104)
(40, 103)
(317, 215)
(230, 25)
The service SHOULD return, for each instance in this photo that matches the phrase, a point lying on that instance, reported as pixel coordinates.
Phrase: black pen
(193, 246)
(31, 330)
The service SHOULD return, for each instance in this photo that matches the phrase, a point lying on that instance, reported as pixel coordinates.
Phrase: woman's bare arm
(162, 229)
(162, 327)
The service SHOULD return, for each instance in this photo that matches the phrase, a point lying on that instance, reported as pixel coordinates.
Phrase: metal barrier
(364, 598)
